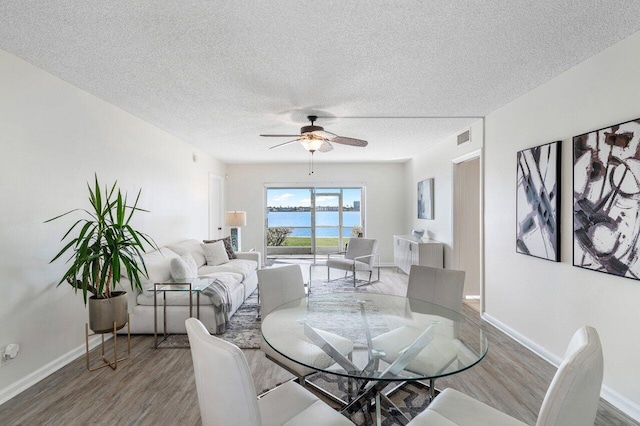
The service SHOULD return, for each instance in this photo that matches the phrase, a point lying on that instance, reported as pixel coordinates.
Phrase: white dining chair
(443, 287)
(572, 398)
(281, 285)
(227, 395)
(361, 256)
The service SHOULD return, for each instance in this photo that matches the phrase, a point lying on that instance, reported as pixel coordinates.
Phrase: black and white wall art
(538, 201)
(606, 199)
(425, 199)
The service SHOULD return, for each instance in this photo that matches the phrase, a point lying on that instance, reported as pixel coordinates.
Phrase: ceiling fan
(314, 138)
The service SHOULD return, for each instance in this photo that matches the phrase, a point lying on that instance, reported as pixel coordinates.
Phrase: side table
(190, 285)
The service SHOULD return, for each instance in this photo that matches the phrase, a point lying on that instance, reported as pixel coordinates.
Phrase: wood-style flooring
(157, 387)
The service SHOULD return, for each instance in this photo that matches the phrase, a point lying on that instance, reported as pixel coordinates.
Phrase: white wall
(436, 162)
(54, 136)
(544, 302)
(384, 196)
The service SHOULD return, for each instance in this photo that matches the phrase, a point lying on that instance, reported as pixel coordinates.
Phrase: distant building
(356, 206)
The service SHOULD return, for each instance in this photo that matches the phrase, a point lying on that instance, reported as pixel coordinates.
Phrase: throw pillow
(179, 269)
(191, 263)
(227, 246)
(215, 253)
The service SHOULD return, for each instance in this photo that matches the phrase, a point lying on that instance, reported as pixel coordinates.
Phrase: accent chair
(361, 256)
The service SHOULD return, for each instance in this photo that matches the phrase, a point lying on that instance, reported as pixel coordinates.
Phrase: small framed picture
(425, 199)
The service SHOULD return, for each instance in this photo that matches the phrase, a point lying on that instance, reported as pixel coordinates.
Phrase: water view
(326, 222)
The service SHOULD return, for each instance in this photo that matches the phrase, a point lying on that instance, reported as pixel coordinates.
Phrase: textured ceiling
(219, 73)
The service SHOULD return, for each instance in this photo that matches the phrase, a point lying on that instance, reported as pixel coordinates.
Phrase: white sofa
(239, 275)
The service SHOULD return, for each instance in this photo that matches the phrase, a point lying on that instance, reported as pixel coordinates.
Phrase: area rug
(243, 329)
(244, 325)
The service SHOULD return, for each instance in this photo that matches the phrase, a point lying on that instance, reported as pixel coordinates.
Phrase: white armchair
(572, 398)
(361, 256)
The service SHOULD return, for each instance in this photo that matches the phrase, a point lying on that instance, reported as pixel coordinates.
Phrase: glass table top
(374, 336)
(197, 284)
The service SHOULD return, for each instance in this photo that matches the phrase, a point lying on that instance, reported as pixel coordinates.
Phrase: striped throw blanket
(220, 295)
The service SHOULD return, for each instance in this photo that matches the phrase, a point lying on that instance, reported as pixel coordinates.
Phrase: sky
(292, 197)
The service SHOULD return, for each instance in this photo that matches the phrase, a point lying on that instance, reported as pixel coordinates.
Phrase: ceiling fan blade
(324, 134)
(280, 136)
(285, 143)
(325, 147)
(349, 141)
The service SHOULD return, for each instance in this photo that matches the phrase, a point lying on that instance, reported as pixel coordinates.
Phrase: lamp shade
(236, 218)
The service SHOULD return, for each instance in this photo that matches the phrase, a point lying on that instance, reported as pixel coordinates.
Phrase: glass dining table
(395, 339)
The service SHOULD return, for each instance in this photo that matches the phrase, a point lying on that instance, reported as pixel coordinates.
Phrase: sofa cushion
(215, 253)
(158, 267)
(183, 267)
(227, 246)
(240, 266)
(189, 246)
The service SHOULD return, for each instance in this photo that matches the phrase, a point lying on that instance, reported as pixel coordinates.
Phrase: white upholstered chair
(361, 256)
(281, 285)
(227, 395)
(572, 398)
(443, 287)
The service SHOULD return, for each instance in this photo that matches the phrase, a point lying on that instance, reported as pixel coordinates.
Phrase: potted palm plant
(105, 245)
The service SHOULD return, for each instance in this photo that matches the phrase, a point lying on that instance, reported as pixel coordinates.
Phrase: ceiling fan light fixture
(312, 145)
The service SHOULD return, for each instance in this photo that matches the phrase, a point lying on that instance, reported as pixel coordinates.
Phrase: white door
(467, 222)
(216, 206)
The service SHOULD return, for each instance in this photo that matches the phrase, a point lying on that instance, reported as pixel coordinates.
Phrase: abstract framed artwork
(425, 199)
(538, 201)
(606, 200)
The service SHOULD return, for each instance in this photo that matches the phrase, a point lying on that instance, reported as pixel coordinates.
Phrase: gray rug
(244, 326)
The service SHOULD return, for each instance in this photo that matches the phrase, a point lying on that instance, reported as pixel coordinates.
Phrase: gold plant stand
(113, 363)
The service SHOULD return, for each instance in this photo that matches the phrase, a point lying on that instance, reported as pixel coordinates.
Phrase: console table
(409, 250)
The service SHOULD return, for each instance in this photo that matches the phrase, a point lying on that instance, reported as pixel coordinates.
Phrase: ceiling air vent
(464, 137)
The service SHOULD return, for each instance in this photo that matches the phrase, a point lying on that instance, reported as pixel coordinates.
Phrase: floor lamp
(236, 219)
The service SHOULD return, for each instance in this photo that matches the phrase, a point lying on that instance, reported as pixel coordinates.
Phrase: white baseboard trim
(527, 343)
(26, 382)
(621, 403)
(614, 398)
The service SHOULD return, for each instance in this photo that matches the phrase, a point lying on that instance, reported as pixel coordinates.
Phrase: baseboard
(527, 343)
(622, 403)
(612, 397)
(26, 382)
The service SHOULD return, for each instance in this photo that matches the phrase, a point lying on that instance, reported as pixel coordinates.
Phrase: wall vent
(464, 137)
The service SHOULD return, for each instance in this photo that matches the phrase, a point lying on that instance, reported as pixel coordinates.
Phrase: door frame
(476, 154)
